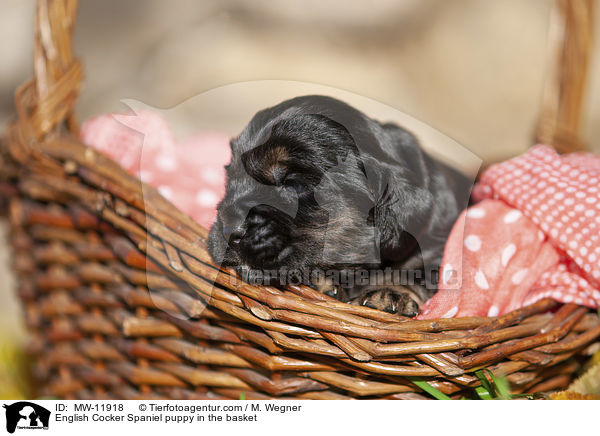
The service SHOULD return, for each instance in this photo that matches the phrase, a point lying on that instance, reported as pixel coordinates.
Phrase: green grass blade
(483, 393)
(485, 384)
(502, 386)
(430, 389)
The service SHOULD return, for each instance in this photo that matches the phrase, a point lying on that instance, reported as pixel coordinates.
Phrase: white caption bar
(296, 417)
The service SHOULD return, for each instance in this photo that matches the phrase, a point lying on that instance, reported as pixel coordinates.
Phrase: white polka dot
(508, 253)
(473, 243)
(481, 281)
(512, 216)
(146, 176)
(493, 311)
(476, 212)
(447, 273)
(166, 162)
(212, 176)
(519, 276)
(165, 191)
(206, 198)
(450, 313)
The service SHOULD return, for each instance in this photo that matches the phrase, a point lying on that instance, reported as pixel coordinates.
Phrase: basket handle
(46, 103)
(571, 33)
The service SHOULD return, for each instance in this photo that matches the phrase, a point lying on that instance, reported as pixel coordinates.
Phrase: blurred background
(472, 69)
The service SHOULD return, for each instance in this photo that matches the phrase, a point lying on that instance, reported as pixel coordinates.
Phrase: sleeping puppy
(318, 193)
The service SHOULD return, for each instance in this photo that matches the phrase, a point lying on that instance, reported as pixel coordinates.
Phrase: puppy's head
(305, 185)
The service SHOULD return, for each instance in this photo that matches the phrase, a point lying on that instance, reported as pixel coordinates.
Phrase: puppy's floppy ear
(403, 209)
(399, 175)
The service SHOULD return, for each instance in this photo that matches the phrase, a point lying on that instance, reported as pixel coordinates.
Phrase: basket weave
(117, 290)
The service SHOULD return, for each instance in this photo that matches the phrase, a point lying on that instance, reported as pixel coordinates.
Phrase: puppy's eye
(293, 182)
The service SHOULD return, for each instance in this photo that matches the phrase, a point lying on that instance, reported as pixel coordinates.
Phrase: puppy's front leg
(393, 299)
(403, 300)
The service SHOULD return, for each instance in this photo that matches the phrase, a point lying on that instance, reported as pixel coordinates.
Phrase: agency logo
(24, 415)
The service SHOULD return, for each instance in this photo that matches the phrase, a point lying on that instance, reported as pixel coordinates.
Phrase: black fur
(316, 184)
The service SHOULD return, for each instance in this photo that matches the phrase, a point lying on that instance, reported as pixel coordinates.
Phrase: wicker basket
(90, 240)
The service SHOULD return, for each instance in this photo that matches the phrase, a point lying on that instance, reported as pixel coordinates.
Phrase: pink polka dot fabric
(189, 173)
(533, 234)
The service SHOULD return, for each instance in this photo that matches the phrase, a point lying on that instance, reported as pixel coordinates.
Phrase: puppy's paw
(327, 287)
(266, 242)
(393, 300)
(336, 292)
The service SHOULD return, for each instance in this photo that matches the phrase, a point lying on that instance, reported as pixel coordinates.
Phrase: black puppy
(319, 193)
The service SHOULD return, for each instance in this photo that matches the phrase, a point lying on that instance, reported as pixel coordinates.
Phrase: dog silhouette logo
(26, 415)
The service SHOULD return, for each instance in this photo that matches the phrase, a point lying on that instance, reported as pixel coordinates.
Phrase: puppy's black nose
(233, 236)
(235, 241)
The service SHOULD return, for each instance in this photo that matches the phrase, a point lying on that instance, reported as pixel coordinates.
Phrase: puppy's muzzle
(260, 238)
(232, 227)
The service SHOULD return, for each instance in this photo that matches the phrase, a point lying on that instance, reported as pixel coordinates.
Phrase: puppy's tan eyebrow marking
(276, 164)
(268, 164)
(281, 152)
